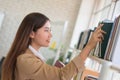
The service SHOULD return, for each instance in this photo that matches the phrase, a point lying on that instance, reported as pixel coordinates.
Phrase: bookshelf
(108, 69)
(110, 49)
(103, 65)
(100, 10)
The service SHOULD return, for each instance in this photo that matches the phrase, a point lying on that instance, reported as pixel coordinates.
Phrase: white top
(37, 53)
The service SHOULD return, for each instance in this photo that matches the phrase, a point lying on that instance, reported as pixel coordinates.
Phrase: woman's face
(41, 38)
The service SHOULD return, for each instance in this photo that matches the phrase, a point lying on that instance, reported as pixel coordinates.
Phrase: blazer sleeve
(34, 68)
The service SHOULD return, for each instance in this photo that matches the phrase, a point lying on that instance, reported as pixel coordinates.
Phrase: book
(107, 27)
(84, 38)
(111, 43)
(89, 77)
(115, 76)
(59, 64)
(79, 42)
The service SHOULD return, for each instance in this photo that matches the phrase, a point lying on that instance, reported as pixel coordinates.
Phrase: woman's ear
(32, 34)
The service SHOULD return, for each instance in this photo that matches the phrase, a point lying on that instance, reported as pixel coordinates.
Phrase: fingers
(99, 30)
(100, 26)
(97, 36)
(100, 33)
(100, 37)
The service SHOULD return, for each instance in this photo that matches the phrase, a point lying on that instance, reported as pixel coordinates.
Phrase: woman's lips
(48, 41)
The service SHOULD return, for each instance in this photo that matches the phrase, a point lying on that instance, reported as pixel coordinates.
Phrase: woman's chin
(46, 45)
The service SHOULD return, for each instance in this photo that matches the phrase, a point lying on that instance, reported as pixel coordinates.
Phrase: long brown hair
(31, 22)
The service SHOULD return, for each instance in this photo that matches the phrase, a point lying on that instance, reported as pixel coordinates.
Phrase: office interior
(68, 19)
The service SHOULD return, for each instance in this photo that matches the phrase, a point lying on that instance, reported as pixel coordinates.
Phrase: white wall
(1, 18)
(117, 10)
(116, 49)
(15, 10)
(83, 20)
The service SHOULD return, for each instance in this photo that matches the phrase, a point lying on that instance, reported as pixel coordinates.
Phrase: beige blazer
(29, 67)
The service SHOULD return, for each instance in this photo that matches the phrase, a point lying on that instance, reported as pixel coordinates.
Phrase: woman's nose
(50, 34)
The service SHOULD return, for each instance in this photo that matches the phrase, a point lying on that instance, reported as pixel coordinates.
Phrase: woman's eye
(50, 30)
(47, 30)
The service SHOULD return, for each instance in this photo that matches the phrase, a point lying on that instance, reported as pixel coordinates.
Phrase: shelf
(116, 68)
(88, 72)
(113, 67)
(96, 58)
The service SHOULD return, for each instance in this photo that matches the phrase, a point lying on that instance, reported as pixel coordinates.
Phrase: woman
(24, 62)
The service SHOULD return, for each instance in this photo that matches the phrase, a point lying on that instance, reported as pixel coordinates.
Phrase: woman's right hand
(97, 36)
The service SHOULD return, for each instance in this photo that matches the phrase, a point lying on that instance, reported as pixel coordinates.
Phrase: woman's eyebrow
(47, 27)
